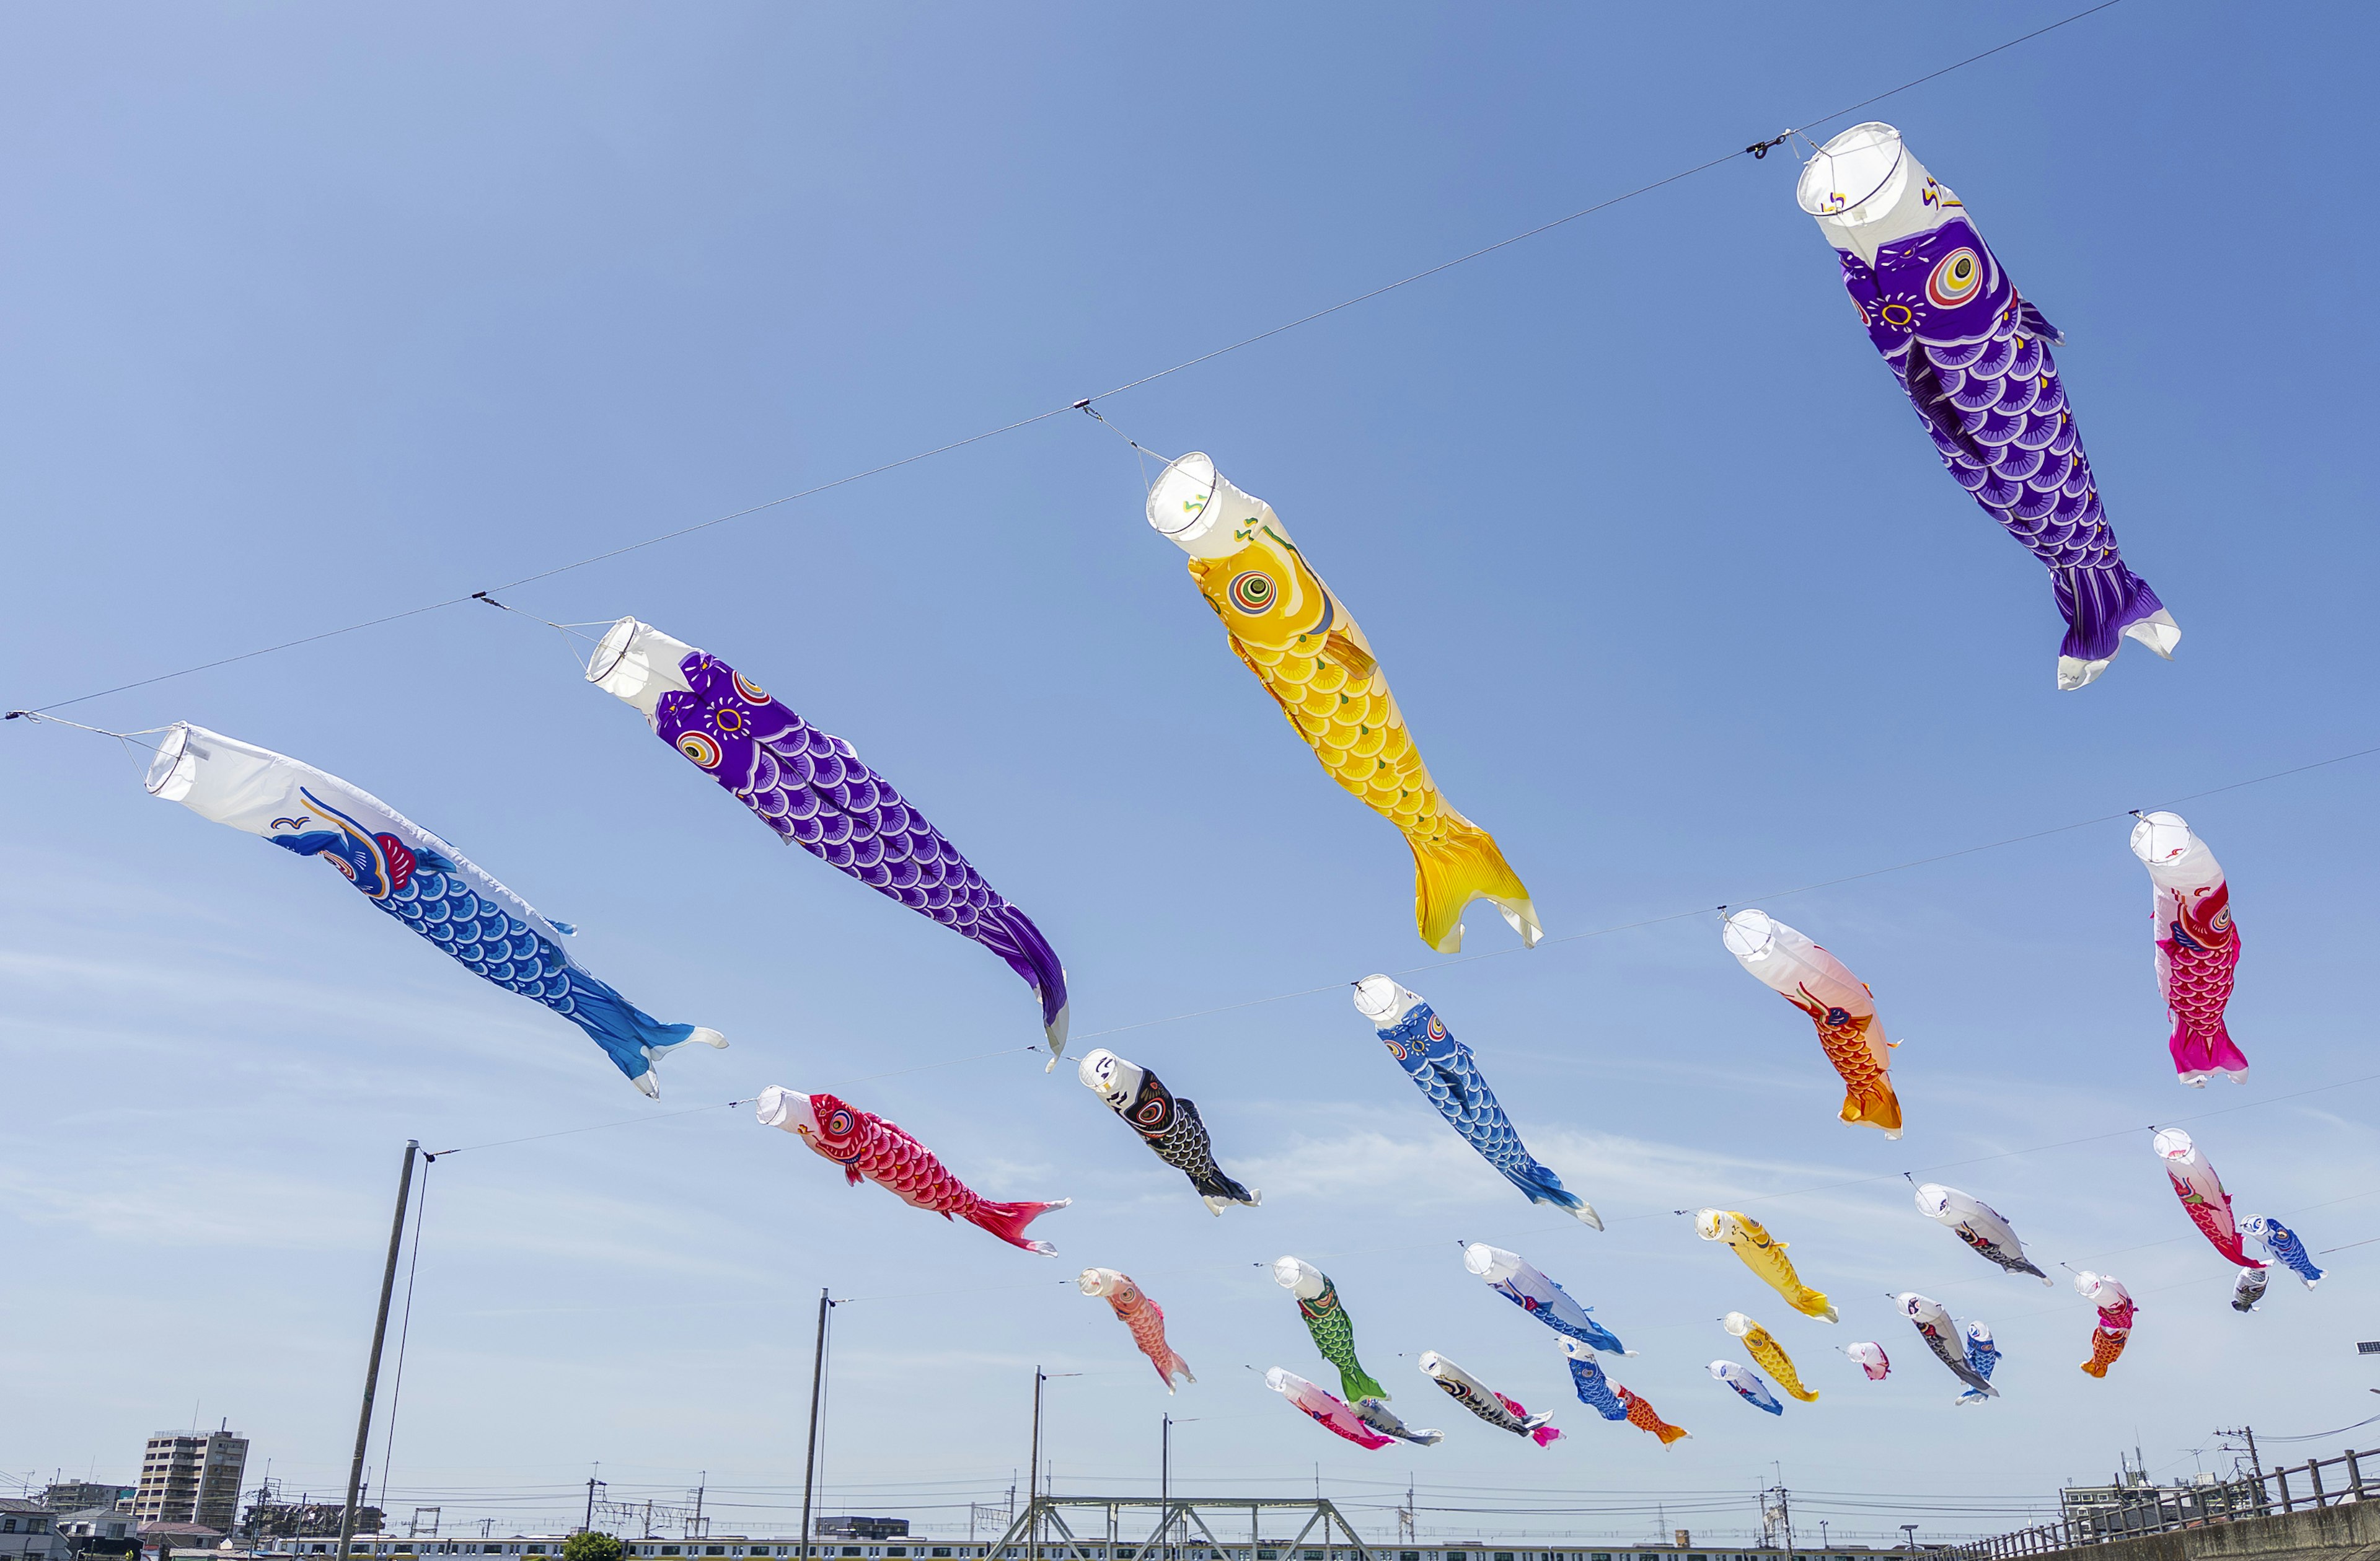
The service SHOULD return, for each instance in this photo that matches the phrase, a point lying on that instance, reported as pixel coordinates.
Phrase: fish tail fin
(634, 1039)
(1008, 1221)
(2103, 606)
(1795, 1390)
(1546, 1436)
(1669, 1433)
(1179, 1365)
(1461, 866)
(1355, 1384)
(1218, 1190)
(2197, 1059)
(1872, 1102)
(1544, 1187)
(1030, 956)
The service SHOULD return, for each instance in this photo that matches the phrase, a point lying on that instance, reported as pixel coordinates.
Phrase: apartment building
(192, 1477)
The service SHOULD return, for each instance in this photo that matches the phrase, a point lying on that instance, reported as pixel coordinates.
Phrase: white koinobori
(1979, 1224)
(415, 877)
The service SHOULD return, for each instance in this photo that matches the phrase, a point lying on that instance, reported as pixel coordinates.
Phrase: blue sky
(315, 315)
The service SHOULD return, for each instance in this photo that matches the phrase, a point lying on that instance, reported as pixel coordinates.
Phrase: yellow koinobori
(1307, 652)
(1764, 1255)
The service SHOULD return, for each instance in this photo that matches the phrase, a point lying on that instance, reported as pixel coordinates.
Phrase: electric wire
(1756, 152)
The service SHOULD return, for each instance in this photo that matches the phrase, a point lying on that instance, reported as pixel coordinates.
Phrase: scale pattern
(1334, 1335)
(2198, 960)
(1643, 1417)
(1974, 358)
(1382, 1419)
(2107, 1340)
(1764, 1255)
(1983, 1355)
(1303, 646)
(1443, 1068)
(1561, 1313)
(1505, 1414)
(1171, 1126)
(1146, 1321)
(868, 1147)
(1595, 1389)
(2283, 1244)
(426, 893)
(814, 791)
(1763, 1347)
(1843, 1036)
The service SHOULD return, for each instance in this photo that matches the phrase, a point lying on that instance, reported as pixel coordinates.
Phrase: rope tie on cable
(1760, 150)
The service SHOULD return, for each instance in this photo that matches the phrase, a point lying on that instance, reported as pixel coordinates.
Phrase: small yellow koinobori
(1307, 652)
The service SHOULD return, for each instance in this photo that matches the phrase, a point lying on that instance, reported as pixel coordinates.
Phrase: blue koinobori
(1443, 1070)
(415, 877)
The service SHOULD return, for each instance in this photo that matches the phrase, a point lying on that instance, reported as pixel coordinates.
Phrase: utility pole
(1033, 1474)
(591, 1483)
(380, 1336)
(2255, 1467)
(1165, 1487)
(818, 1380)
(703, 1485)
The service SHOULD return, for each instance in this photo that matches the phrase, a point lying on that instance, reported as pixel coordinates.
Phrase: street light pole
(380, 1336)
(1165, 1487)
(1911, 1530)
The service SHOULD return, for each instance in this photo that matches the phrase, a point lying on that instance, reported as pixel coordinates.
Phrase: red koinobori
(866, 1146)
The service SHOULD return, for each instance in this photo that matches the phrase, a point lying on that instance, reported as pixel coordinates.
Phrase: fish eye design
(1252, 592)
(1954, 279)
(1898, 314)
(1437, 1028)
(700, 748)
(1838, 1016)
(1151, 1115)
(750, 690)
(728, 720)
(838, 1123)
(1397, 1050)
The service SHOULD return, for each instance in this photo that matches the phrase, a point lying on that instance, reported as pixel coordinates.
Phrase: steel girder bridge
(1046, 1534)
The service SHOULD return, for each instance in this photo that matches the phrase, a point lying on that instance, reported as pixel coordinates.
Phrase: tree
(591, 1546)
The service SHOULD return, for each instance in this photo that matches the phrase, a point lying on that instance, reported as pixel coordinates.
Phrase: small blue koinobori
(413, 876)
(1521, 1283)
(1443, 1070)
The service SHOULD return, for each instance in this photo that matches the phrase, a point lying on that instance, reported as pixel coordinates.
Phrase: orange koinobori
(1311, 657)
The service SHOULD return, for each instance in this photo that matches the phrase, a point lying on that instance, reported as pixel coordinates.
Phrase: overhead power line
(1757, 150)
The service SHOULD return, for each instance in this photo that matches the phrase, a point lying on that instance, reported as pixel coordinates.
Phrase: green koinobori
(1334, 1335)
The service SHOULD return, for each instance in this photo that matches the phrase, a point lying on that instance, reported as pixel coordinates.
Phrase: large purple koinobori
(1974, 357)
(813, 791)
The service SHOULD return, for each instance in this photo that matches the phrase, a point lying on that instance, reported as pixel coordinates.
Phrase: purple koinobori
(1974, 357)
(813, 791)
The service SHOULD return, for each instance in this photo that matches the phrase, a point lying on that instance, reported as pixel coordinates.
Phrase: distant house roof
(11, 1504)
(93, 1516)
(180, 1531)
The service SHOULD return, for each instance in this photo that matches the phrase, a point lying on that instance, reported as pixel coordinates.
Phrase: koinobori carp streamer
(1170, 1125)
(1443, 1068)
(1302, 645)
(1838, 1002)
(1974, 357)
(812, 789)
(1142, 1315)
(415, 878)
(871, 1149)
(2197, 946)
